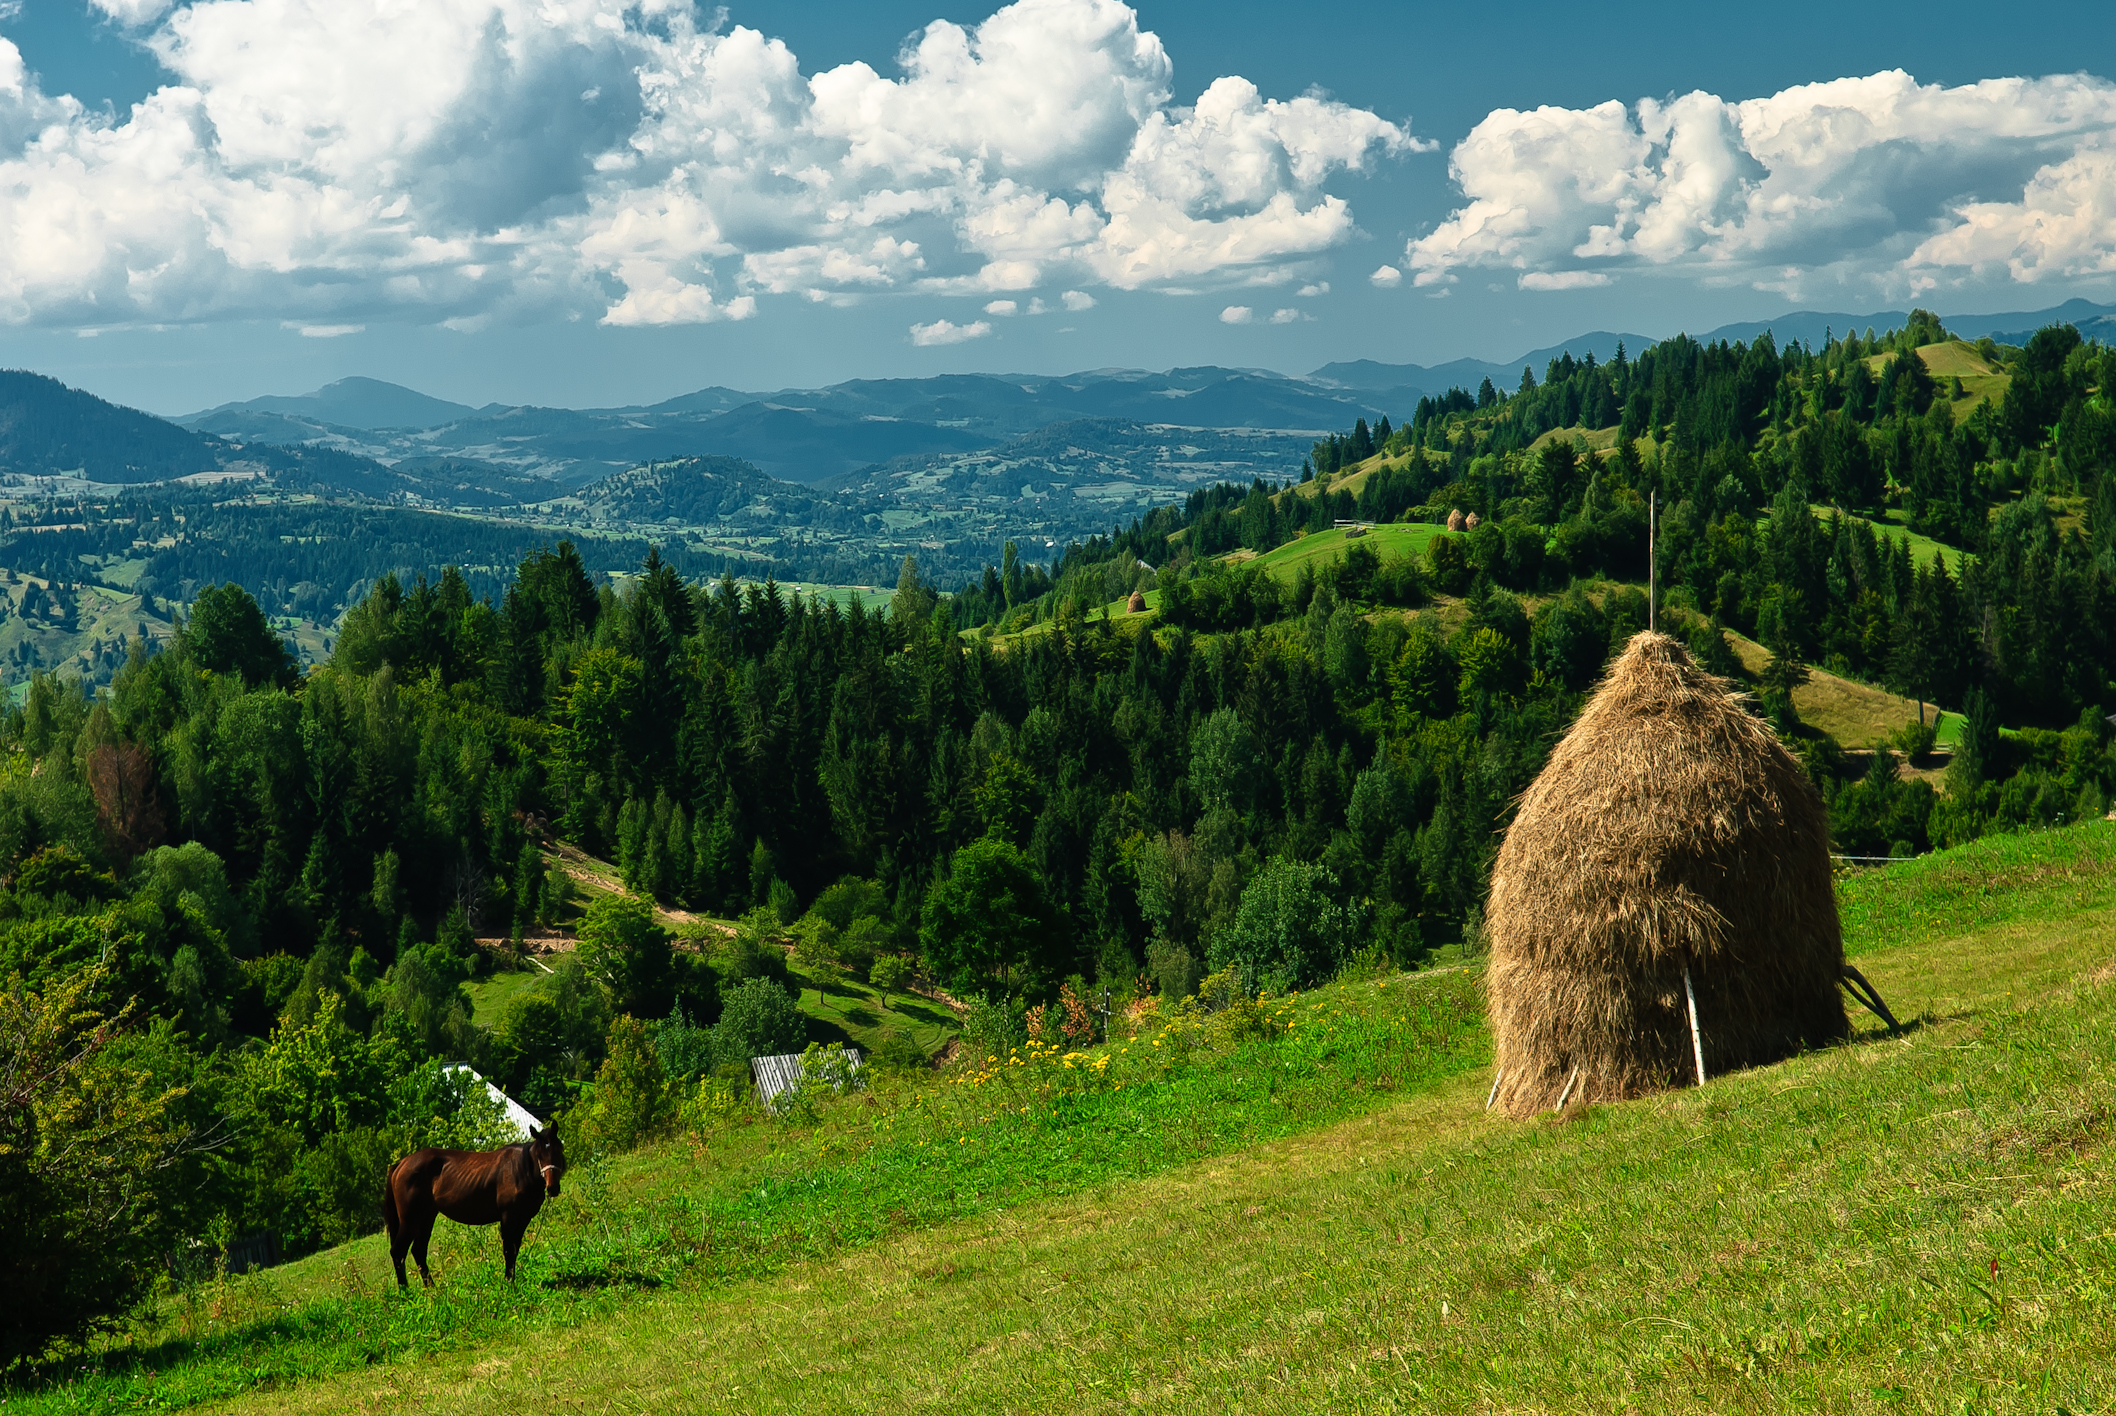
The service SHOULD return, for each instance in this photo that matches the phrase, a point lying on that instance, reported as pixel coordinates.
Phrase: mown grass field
(1857, 715)
(1319, 1222)
(1394, 539)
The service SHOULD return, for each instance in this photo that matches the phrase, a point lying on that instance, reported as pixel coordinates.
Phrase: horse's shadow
(604, 1279)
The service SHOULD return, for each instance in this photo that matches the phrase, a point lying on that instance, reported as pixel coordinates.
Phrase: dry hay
(1670, 828)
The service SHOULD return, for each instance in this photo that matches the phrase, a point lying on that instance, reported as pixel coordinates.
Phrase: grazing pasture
(1306, 1208)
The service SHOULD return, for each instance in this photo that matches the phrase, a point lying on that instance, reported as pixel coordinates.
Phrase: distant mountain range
(1136, 435)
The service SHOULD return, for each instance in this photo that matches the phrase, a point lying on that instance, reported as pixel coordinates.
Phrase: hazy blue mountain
(1004, 404)
(351, 403)
(2093, 321)
(705, 400)
(1417, 379)
(1813, 326)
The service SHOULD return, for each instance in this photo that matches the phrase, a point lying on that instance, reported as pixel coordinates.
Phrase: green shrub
(1173, 968)
(993, 1027)
(850, 899)
(894, 1049)
(85, 1150)
(627, 952)
(757, 950)
(631, 1102)
(759, 1019)
(889, 973)
(687, 1050)
(1289, 931)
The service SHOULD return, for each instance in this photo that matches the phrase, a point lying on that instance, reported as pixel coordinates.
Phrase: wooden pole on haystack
(1697, 1041)
(1652, 563)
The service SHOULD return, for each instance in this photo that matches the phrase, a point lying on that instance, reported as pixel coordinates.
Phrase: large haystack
(1670, 828)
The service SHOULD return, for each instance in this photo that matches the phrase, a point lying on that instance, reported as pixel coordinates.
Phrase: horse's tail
(390, 1216)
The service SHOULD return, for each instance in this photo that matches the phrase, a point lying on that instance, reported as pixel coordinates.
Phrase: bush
(889, 973)
(850, 899)
(632, 1101)
(759, 1019)
(894, 1049)
(1173, 968)
(686, 1049)
(990, 923)
(1289, 930)
(995, 1027)
(85, 1151)
(756, 951)
(628, 953)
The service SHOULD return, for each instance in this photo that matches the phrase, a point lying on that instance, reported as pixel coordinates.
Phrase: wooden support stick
(1652, 560)
(1566, 1094)
(1697, 1041)
(1867, 994)
(1494, 1089)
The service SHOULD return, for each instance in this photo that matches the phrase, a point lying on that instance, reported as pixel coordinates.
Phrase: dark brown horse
(504, 1187)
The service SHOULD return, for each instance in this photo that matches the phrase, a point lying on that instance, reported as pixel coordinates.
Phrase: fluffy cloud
(1237, 314)
(1879, 179)
(132, 12)
(339, 161)
(948, 332)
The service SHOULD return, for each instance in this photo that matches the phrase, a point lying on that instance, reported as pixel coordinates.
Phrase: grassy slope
(1821, 1234)
(1398, 539)
(1981, 383)
(1855, 714)
(1923, 549)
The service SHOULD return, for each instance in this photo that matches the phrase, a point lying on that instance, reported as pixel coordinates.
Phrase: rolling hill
(1912, 1219)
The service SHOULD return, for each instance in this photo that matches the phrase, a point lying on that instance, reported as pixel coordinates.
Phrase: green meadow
(1302, 1206)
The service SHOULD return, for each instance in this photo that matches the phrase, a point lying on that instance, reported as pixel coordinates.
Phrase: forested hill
(48, 429)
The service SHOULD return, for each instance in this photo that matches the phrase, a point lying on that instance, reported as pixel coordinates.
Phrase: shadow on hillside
(607, 1278)
(828, 1033)
(923, 1013)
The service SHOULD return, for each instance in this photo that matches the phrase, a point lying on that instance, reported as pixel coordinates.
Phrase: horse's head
(548, 1155)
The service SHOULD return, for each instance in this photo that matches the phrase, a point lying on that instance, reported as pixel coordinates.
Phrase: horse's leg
(421, 1233)
(399, 1241)
(511, 1231)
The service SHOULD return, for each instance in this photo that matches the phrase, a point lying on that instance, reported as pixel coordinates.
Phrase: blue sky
(593, 202)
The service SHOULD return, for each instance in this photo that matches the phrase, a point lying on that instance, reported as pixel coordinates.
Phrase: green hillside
(1320, 1219)
(1320, 547)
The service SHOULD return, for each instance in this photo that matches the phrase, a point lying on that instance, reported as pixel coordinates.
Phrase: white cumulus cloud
(1289, 315)
(132, 12)
(1237, 314)
(948, 332)
(1880, 179)
(1387, 277)
(1077, 300)
(1001, 307)
(455, 161)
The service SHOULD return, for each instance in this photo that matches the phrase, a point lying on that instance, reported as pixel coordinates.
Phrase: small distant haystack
(1670, 831)
(1454, 519)
(1136, 605)
(1469, 522)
